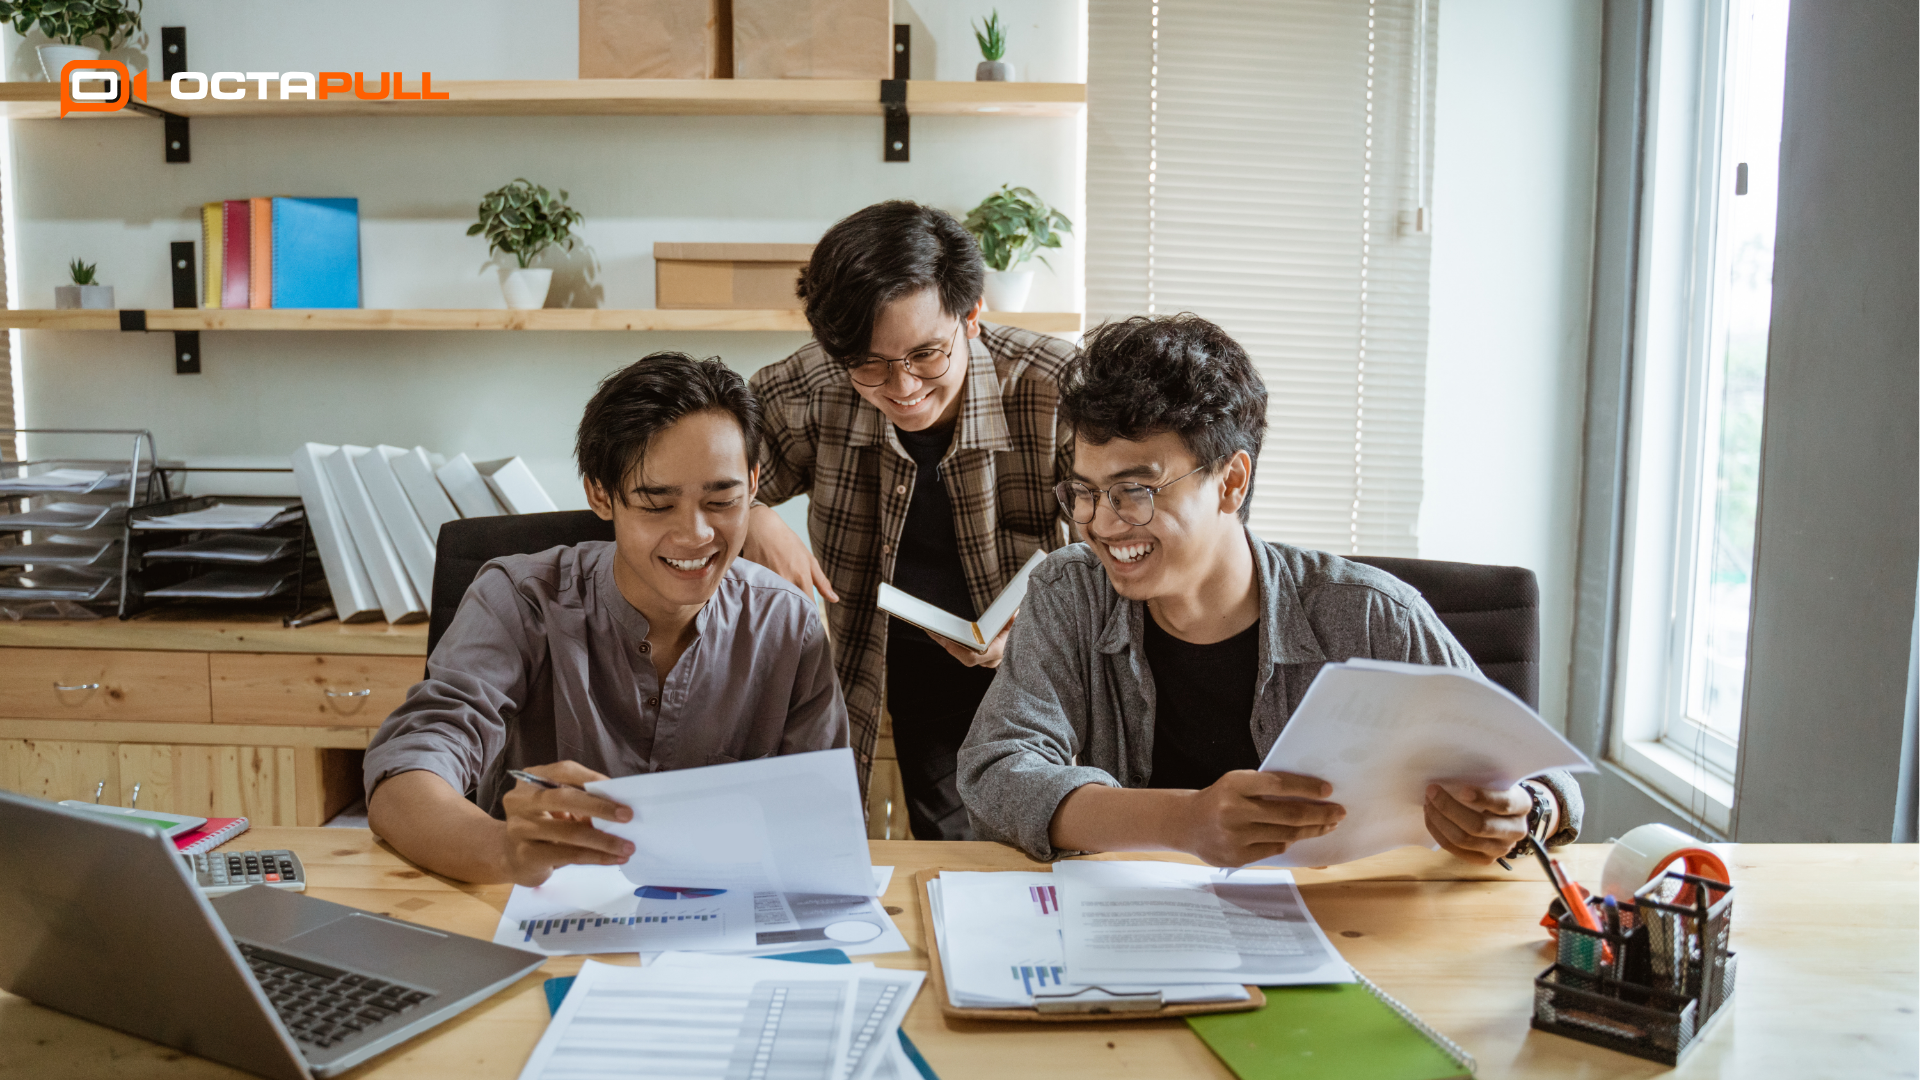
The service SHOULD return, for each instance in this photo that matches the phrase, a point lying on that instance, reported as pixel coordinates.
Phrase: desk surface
(1827, 936)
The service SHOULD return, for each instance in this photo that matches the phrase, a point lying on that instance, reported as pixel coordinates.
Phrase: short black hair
(875, 256)
(1143, 376)
(645, 398)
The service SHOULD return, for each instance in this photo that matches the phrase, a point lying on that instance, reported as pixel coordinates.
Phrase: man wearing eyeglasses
(1154, 665)
(928, 445)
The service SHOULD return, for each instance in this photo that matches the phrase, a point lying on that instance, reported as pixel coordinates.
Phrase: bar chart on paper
(588, 932)
(1039, 976)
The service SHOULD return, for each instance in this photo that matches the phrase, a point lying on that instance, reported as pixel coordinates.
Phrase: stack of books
(281, 253)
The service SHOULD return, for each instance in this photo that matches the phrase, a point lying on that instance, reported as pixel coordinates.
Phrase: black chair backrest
(467, 545)
(1494, 612)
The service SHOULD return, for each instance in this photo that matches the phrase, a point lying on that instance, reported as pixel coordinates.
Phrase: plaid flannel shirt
(825, 441)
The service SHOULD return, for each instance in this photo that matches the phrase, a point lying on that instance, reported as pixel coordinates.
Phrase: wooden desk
(1827, 936)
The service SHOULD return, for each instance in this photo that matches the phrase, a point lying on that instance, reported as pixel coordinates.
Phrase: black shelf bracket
(177, 135)
(186, 343)
(898, 140)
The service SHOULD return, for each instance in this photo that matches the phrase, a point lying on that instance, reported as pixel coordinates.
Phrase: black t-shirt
(928, 563)
(1203, 717)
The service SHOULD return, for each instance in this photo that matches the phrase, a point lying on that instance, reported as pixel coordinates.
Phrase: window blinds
(1263, 166)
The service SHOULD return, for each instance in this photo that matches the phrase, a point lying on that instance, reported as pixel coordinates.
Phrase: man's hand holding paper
(548, 828)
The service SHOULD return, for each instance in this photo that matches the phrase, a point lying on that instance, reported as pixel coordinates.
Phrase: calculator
(223, 872)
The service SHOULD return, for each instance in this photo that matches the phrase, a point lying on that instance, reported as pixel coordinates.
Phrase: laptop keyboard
(324, 1005)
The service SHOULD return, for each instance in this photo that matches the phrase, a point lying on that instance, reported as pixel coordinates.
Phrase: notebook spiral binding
(1452, 1048)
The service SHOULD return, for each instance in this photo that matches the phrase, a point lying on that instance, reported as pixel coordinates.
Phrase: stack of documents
(61, 481)
(1190, 933)
(729, 1016)
(226, 516)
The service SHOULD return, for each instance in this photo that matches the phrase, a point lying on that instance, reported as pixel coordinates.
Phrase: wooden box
(656, 39)
(812, 39)
(753, 277)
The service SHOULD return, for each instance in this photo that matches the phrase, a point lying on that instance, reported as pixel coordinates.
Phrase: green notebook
(1349, 1031)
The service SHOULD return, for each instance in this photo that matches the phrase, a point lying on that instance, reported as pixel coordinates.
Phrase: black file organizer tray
(145, 575)
(146, 485)
(1670, 974)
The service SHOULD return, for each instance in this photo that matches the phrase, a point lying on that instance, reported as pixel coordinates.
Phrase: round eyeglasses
(1132, 503)
(926, 364)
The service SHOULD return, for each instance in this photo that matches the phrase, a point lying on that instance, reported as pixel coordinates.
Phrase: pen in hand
(541, 781)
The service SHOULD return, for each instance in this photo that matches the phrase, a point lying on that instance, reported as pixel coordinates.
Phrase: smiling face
(684, 516)
(1194, 521)
(912, 322)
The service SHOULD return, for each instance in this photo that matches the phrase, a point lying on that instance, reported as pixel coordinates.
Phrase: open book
(974, 635)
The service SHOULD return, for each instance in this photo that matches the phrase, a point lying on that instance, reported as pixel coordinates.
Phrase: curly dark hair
(645, 398)
(875, 256)
(1142, 376)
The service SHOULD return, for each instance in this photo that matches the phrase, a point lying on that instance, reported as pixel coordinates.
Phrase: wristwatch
(1536, 822)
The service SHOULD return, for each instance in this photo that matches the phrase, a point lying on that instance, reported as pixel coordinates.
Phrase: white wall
(98, 188)
(1517, 116)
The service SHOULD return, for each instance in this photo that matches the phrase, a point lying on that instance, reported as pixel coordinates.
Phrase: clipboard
(1077, 1009)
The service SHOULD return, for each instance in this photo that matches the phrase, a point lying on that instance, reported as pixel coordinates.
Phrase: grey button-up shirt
(546, 661)
(1074, 704)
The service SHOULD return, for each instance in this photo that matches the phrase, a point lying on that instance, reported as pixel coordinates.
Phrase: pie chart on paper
(674, 892)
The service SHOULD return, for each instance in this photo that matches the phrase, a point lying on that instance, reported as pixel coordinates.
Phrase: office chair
(467, 545)
(1494, 612)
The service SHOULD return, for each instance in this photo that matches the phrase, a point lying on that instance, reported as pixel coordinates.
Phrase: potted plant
(1012, 225)
(524, 219)
(70, 23)
(84, 292)
(993, 46)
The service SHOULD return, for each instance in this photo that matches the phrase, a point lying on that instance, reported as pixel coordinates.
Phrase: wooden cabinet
(295, 688)
(56, 769)
(104, 684)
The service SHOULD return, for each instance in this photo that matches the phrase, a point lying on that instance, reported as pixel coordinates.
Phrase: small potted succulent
(85, 292)
(70, 23)
(1012, 225)
(524, 219)
(993, 46)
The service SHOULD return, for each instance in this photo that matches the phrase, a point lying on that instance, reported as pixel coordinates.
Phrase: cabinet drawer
(297, 688)
(103, 684)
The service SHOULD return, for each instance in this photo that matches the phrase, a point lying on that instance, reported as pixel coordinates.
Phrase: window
(1265, 166)
(1715, 94)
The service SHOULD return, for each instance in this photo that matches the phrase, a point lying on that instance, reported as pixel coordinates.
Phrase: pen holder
(1650, 985)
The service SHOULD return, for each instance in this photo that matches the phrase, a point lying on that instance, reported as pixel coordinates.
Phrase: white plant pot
(90, 297)
(55, 58)
(1007, 289)
(527, 289)
(993, 71)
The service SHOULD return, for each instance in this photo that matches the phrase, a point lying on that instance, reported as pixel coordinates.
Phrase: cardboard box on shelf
(812, 39)
(656, 39)
(752, 277)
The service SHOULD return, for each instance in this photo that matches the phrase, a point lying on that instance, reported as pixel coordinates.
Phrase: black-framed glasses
(926, 363)
(1133, 503)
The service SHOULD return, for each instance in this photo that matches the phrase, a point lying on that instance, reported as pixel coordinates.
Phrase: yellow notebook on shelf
(213, 241)
(1345, 1031)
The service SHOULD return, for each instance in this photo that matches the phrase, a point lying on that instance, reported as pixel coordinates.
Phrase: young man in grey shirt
(1153, 666)
(660, 650)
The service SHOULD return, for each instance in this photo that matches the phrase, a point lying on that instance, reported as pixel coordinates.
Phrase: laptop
(100, 918)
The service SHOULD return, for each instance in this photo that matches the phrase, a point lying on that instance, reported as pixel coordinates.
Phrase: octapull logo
(106, 86)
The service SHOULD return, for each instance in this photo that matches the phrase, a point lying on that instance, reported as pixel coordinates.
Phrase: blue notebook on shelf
(316, 253)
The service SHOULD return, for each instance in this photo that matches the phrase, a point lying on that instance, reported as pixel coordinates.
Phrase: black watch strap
(1536, 823)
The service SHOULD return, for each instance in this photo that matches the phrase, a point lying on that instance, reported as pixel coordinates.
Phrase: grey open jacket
(1074, 703)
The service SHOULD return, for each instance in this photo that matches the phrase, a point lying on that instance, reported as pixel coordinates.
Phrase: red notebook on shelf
(237, 264)
(215, 832)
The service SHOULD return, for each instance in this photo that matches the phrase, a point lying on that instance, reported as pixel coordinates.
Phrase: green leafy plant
(992, 38)
(72, 22)
(1013, 224)
(524, 219)
(82, 272)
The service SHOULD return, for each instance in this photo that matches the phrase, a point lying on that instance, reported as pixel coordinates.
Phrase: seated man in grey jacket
(1153, 666)
(660, 650)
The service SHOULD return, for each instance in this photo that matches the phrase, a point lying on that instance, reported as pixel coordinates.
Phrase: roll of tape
(1650, 849)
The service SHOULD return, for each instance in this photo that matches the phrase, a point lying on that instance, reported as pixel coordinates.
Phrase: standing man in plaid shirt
(929, 444)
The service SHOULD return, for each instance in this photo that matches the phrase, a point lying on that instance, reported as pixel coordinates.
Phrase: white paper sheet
(999, 938)
(1380, 732)
(595, 909)
(1139, 921)
(796, 1024)
(224, 516)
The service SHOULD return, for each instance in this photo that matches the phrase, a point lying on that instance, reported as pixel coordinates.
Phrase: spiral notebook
(215, 832)
(1348, 1031)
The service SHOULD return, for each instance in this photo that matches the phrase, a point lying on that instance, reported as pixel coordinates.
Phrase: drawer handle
(368, 692)
(79, 686)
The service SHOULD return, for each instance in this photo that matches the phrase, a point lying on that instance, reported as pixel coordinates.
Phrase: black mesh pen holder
(1649, 983)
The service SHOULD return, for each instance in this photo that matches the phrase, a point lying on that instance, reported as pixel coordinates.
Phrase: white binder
(513, 484)
(397, 597)
(414, 469)
(353, 597)
(468, 489)
(396, 514)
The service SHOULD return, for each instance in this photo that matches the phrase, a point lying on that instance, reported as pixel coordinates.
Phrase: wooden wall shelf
(161, 319)
(605, 97)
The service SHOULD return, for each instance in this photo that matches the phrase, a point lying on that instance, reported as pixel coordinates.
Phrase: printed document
(1380, 732)
(1176, 923)
(977, 636)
